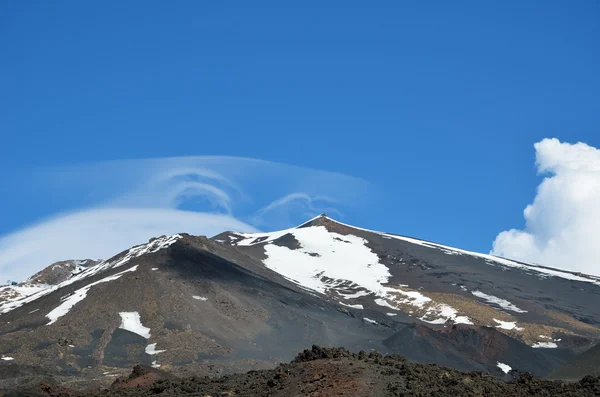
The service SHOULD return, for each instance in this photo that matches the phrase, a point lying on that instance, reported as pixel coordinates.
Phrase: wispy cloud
(279, 210)
(562, 223)
(114, 205)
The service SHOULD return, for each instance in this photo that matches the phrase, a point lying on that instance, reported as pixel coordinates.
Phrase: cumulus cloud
(563, 222)
(112, 206)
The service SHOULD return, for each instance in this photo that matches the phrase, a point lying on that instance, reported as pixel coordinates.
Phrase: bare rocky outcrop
(327, 372)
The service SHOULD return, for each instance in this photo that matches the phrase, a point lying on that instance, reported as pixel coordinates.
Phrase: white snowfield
(134, 252)
(508, 325)
(346, 259)
(200, 298)
(131, 322)
(506, 305)
(151, 349)
(16, 292)
(504, 367)
(545, 345)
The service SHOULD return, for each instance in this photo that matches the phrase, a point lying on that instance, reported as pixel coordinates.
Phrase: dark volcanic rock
(586, 363)
(141, 376)
(343, 373)
(58, 272)
(469, 347)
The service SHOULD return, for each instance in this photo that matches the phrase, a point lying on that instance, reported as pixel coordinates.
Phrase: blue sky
(436, 105)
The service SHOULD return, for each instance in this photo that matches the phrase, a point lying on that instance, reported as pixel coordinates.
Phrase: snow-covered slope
(52, 275)
(362, 268)
(34, 288)
(247, 239)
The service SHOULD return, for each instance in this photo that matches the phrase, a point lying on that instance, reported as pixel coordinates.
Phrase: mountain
(235, 302)
(52, 275)
(543, 307)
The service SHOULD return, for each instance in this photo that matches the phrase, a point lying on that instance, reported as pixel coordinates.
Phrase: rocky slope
(586, 363)
(50, 276)
(332, 372)
(193, 305)
(543, 307)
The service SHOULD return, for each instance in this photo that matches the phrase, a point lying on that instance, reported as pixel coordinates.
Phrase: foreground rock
(336, 372)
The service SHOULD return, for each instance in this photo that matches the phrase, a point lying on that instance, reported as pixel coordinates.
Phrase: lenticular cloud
(563, 222)
(104, 208)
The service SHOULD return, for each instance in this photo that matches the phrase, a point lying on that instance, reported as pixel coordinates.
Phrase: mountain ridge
(234, 302)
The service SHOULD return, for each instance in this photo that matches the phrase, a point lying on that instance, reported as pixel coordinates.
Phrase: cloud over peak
(562, 223)
(112, 206)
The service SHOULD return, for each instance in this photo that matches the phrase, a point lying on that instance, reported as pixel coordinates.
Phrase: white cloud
(277, 213)
(563, 222)
(115, 205)
(100, 233)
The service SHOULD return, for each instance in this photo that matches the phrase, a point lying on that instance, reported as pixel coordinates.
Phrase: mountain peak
(182, 299)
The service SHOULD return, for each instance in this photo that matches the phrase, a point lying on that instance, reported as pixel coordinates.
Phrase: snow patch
(200, 298)
(71, 300)
(7, 358)
(508, 325)
(444, 313)
(130, 321)
(154, 268)
(384, 303)
(342, 257)
(368, 320)
(462, 320)
(504, 367)
(151, 349)
(544, 345)
(155, 365)
(391, 314)
(506, 305)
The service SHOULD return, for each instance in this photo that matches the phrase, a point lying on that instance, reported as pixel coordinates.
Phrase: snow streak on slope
(80, 295)
(153, 246)
(545, 345)
(503, 303)
(507, 325)
(248, 239)
(540, 271)
(15, 292)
